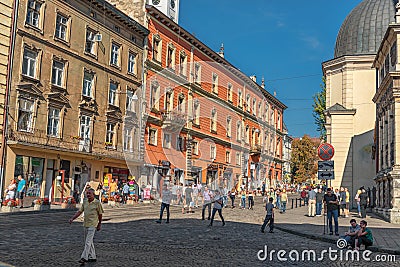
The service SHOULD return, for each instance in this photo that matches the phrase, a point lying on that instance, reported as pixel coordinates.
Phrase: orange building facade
(205, 121)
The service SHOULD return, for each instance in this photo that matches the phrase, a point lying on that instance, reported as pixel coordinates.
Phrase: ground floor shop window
(31, 169)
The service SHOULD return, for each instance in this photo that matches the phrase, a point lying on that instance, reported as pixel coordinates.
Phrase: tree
(304, 159)
(319, 108)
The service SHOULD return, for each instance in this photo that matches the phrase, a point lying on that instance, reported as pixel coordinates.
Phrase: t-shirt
(166, 196)
(343, 197)
(91, 212)
(354, 229)
(217, 205)
(269, 208)
(330, 206)
(369, 234)
(113, 187)
(21, 185)
(320, 197)
(188, 192)
(312, 195)
(206, 196)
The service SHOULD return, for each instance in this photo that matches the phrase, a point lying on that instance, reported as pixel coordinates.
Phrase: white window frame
(229, 92)
(228, 126)
(213, 152)
(166, 140)
(132, 63)
(197, 73)
(215, 83)
(29, 63)
(61, 27)
(238, 131)
(90, 44)
(33, 13)
(237, 158)
(53, 122)
(84, 127)
(228, 156)
(130, 103)
(87, 86)
(150, 141)
(128, 139)
(112, 93)
(183, 64)
(114, 57)
(25, 111)
(57, 75)
(110, 132)
(154, 95)
(180, 143)
(195, 147)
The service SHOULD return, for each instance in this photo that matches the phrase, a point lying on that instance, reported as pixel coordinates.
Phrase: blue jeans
(243, 203)
(278, 203)
(358, 207)
(335, 215)
(164, 206)
(319, 208)
(283, 206)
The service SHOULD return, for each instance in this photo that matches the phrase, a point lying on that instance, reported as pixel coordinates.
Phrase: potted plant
(45, 204)
(69, 203)
(130, 200)
(111, 201)
(9, 205)
(37, 204)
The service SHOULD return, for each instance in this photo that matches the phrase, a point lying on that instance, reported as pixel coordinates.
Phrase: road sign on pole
(326, 165)
(326, 175)
(326, 151)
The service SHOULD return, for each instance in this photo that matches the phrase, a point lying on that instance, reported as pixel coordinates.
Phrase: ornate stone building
(387, 126)
(73, 112)
(350, 87)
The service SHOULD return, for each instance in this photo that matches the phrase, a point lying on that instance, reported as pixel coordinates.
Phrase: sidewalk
(296, 221)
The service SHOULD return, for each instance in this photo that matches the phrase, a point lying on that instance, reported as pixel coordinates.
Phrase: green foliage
(304, 159)
(319, 107)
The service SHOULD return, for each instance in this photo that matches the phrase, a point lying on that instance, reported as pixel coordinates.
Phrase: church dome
(363, 29)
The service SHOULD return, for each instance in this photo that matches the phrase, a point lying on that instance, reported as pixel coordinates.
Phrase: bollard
(292, 202)
(296, 203)
(300, 202)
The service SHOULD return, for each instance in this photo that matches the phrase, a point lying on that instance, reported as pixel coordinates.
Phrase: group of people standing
(16, 191)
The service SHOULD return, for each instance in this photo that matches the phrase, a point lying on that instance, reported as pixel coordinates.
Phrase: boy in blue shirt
(269, 217)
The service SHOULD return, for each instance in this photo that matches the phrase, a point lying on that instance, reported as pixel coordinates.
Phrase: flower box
(9, 209)
(130, 202)
(111, 203)
(68, 206)
(41, 207)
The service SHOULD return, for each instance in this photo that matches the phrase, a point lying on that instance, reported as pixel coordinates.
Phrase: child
(269, 217)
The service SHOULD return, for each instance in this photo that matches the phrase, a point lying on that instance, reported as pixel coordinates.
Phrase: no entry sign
(325, 151)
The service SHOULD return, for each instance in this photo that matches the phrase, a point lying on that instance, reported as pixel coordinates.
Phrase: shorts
(20, 195)
(188, 200)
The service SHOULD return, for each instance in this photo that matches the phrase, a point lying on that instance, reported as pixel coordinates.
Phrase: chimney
(254, 78)
(221, 51)
(274, 93)
(398, 12)
(263, 83)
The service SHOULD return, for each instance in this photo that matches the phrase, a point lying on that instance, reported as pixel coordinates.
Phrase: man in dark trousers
(363, 202)
(269, 217)
(331, 207)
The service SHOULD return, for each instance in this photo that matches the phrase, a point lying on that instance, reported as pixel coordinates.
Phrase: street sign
(325, 151)
(326, 165)
(326, 175)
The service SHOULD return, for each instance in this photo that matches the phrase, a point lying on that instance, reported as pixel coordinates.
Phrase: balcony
(85, 145)
(173, 120)
(255, 149)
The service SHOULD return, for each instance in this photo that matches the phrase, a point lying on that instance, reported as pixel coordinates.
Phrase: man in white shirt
(166, 196)
(206, 203)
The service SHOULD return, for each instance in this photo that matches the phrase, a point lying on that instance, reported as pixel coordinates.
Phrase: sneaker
(158, 221)
(336, 234)
(167, 222)
(82, 260)
(262, 231)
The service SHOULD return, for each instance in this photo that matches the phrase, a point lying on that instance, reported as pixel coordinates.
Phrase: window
(110, 134)
(88, 79)
(170, 57)
(58, 73)
(197, 73)
(61, 27)
(228, 126)
(196, 112)
(53, 122)
(29, 63)
(117, 29)
(169, 101)
(128, 144)
(248, 102)
(167, 140)
(130, 102)
(267, 113)
(254, 106)
(33, 13)
(181, 104)
(240, 104)
(213, 152)
(154, 97)
(84, 127)
(112, 93)
(156, 47)
(25, 115)
(214, 120)
(195, 145)
(215, 83)
(259, 110)
(90, 46)
(228, 157)
(152, 136)
(247, 134)
(179, 143)
(182, 64)
(239, 131)
(115, 55)
(132, 63)
(229, 92)
(237, 158)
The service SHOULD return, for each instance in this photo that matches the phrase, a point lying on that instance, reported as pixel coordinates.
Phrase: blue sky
(280, 40)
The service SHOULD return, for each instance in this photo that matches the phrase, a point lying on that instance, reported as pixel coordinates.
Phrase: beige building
(387, 131)
(350, 87)
(73, 112)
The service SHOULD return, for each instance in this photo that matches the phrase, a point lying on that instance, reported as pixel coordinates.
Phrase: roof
(363, 29)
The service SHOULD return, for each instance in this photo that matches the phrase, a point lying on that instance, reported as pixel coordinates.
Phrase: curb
(332, 241)
(35, 212)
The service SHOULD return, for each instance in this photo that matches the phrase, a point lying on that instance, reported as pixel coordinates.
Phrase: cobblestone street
(130, 237)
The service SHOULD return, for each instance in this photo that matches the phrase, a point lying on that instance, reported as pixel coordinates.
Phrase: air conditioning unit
(97, 37)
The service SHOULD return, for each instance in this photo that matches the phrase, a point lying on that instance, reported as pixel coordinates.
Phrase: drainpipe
(7, 95)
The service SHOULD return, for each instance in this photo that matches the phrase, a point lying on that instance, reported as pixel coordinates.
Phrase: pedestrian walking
(284, 199)
(269, 217)
(263, 189)
(319, 200)
(312, 200)
(347, 211)
(218, 201)
(125, 193)
(342, 199)
(357, 199)
(232, 195)
(304, 197)
(331, 207)
(363, 202)
(278, 199)
(251, 200)
(166, 196)
(206, 203)
(93, 214)
(243, 199)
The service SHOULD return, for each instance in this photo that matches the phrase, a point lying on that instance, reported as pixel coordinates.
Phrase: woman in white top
(10, 191)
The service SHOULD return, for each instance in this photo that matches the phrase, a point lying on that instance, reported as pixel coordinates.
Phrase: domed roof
(363, 29)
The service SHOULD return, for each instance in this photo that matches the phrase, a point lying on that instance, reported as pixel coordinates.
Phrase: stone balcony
(173, 121)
